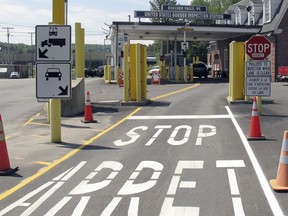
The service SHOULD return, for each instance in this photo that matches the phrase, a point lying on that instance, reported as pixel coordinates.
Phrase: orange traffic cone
(4, 158)
(88, 115)
(255, 127)
(155, 78)
(281, 181)
(121, 78)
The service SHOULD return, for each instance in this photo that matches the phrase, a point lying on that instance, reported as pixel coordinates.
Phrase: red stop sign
(258, 47)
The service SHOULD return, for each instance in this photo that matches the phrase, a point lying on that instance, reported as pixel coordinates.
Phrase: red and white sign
(258, 47)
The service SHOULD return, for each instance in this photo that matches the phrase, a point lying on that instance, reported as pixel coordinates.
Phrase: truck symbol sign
(54, 41)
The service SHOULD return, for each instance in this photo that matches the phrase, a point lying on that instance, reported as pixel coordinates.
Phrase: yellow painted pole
(144, 69)
(58, 17)
(79, 57)
(232, 80)
(138, 72)
(133, 69)
(117, 74)
(126, 73)
(109, 73)
(58, 12)
(259, 104)
(169, 72)
(186, 73)
(177, 73)
(192, 74)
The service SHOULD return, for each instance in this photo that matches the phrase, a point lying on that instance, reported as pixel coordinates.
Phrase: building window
(267, 11)
(238, 17)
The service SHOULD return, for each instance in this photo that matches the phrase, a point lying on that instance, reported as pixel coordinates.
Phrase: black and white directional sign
(53, 43)
(53, 81)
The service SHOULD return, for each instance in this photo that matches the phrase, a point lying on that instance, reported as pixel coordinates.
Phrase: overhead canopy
(160, 31)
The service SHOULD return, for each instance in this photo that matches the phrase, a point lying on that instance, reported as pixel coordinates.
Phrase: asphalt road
(184, 153)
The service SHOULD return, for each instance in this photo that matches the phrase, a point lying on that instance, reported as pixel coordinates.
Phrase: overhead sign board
(258, 47)
(181, 15)
(53, 80)
(53, 43)
(184, 8)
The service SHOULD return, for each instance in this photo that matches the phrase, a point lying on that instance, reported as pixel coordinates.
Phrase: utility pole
(32, 53)
(8, 37)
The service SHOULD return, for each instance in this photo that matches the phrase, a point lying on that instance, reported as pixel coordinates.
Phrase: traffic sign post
(53, 81)
(258, 47)
(53, 55)
(258, 78)
(53, 43)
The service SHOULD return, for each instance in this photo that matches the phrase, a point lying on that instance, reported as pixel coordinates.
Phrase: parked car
(200, 69)
(155, 68)
(90, 72)
(100, 71)
(282, 73)
(14, 75)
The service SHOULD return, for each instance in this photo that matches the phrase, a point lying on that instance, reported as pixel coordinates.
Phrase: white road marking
(21, 202)
(173, 185)
(188, 165)
(171, 117)
(274, 205)
(134, 206)
(81, 206)
(112, 205)
(169, 210)
(229, 163)
(130, 187)
(58, 206)
(201, 133)
(187, 184)
(62, 175)
(174, 142)
(85, 187)
(42, 199)
(233, 182)
(238, 207)
(73, 171)
(161, 128)
(132, 134)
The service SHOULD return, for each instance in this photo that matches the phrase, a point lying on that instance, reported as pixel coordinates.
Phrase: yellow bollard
(58, 17)
(177, 73)
(79, 51)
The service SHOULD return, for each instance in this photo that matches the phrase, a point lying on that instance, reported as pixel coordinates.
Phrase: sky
(21, 17)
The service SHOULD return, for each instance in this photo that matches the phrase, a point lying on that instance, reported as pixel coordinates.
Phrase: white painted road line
(229, 163)
(53, 211)
(81, 206)
(238, 207)
(274, 205)
(171, 117)
(233, 182)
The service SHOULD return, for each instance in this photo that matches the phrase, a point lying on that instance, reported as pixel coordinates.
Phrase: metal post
(185, 69)
(8, 42)
(58, 17)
